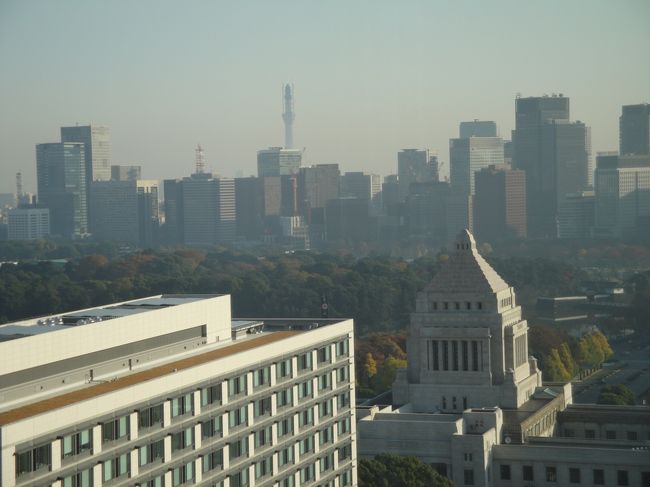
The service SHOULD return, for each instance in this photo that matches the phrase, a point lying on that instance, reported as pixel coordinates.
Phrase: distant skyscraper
(499, 203)
(478, 128)
(249, 207)
(467, 157)
(426, 210)
(554, 153)
(276, 161)
(208, 210)
(363, 186)
(347, 220)
(28, 223)
(415, 166)
(126, 173)
(635, 129)
(97, 146)
(288, 116)
(317, 185)
(576, 215)
(61, 175)
(622, 185)
(174, 224)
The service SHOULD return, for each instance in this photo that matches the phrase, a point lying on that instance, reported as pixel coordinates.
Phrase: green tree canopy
(396, 471)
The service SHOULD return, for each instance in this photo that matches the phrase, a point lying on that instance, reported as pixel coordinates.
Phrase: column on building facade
(56, 454)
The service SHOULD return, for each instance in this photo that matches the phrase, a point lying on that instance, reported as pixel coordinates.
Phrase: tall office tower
(635, 129)
(28, 223)
(288, 116)
(529, 138)
(426, 210)
(347, 220)
(415, 166)
(276, 161)
(61, 176)
(97, 146)
(466, 158)
(477, 128)
(363, 186)
(249, 208)
(317, 185)
(576, 216)
(500, 204)
(208, 210)
(389, 192)
(169, 390)
(508, 152)
(125, 211)
(622, 185)
(172, 230)
(126, 173)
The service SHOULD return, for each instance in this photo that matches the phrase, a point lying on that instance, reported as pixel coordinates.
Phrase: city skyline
(216, 76)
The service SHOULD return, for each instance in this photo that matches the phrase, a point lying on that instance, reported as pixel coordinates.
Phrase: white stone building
(473, 405)
(168, 391)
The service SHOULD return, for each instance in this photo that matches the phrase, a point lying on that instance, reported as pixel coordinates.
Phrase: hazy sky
(370, 77)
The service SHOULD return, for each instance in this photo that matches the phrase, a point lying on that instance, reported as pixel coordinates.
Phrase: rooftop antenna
(200, 160)
(288, 115)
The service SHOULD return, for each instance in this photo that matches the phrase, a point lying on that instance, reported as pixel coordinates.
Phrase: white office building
(169, 391)
(28, 223)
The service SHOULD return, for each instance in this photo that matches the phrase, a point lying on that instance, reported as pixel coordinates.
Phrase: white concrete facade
(269, 409)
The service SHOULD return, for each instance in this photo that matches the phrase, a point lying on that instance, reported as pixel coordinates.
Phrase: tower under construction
(288, 116)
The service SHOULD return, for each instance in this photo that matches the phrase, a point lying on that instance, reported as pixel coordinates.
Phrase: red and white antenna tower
(200, 160)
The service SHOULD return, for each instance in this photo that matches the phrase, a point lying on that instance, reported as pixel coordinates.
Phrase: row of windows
(454, 355)
(576, 476)
(590, 434)
(456, 305)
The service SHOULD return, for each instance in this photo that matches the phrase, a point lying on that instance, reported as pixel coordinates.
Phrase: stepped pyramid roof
(466, 271)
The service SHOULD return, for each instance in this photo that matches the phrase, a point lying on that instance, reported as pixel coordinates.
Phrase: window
(343, 426)
(239, 448)
(622, 477)
(240, 479)
(287, 482)
(457, 305)
(79, 479)
(211, 395)
(468, 457)
(182, 439)
(345, 452)
(342, 374)
(263, 437)
(474, 355)
(285, 427)
(182, 405)
(590, 434)
(445, 355)
(262, 407)
(115, 429)
(116, 467)
(213, 460)
(551, 474)
(283, 369)
(632, 436)
(326, 435)
(306, 389)
(505, 472)
(345, 478)
(76, 443)
(305, 362)
(325, 382)
(262, 377)
(435, 306)
(325, 408)
(610, 434)
(342, 348)
(284, 397)
(307, 474)
(645, 479)
(527, 472)
(307, 445)
(152, 452)
(34, 459)
(324, 354)
(574, 475)
(306, 417)
(479, 305)
(465, 355)
(238, 417)
(343, 400)
(468, 305)
(285, 456)
(263, 467)
(183, 474)
(212, 428)
(445, 305)
(150, 417)
(468, 476)
(434, 354)
(327, 462)
(454, 354)
(237, 385)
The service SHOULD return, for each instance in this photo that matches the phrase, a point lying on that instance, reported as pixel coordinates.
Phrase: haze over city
(370, 78)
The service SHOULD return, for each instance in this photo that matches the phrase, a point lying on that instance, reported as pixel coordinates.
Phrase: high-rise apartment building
(61, 176)
(554, 153)
(500, 204)
(208, 209)
(622, 187)
(97, 149)
(125, 211)
(170, 391)
(276, 161)
(28, 223)
(635, 129)
(415, 166)
(477, 128)
(126, 173)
